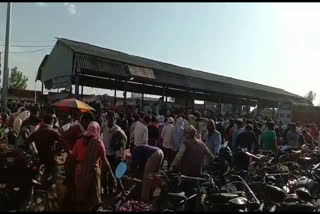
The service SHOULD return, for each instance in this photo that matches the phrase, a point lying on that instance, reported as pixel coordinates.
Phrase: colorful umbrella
(69, 104)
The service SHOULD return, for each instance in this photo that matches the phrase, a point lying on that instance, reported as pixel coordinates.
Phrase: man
(136, 119)
(236, 130)
(269, 139)
(45, 139)
(153, 130)
(140, 132)
(191, 154)
(220, 128)
(122, 122)
(34, 114)
(26, 130)
(145, 161)
(75, 116)
(76, 131)
(166, 139)
(213, 138)
(247, 139)
(108, 130)
(294, 138)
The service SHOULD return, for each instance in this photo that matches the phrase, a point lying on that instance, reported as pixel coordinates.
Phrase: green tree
(17, 80)
(311, 96)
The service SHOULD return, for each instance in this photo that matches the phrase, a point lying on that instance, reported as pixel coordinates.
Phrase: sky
(275, 44)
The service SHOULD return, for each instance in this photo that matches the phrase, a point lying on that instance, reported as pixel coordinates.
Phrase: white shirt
(133, 125)
(140, 134)
(166, 136)
(107, 136)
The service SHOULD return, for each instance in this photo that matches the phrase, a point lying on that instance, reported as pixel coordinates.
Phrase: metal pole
(35, 92)
(6, 62)
(82, 92)
(125, 96)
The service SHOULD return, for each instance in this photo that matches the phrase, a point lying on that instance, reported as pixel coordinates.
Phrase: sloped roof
(38, 77)
(89, 49)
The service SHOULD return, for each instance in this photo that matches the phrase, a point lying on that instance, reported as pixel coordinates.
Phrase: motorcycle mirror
(121, 170)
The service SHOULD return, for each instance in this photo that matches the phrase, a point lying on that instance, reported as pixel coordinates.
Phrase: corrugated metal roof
(38, 77)
(94, 64)
(85, 48)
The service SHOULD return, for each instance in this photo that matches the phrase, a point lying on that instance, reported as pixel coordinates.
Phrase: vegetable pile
(135, 206)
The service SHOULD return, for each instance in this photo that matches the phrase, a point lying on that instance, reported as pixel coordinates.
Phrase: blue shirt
(140, 155)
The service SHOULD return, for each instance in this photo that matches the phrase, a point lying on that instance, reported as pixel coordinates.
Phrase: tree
(17, 80)
(311, 96)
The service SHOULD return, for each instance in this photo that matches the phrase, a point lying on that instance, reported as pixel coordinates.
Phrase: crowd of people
(147, 143)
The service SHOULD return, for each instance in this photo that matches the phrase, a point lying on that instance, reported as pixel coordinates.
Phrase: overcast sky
(276, 44)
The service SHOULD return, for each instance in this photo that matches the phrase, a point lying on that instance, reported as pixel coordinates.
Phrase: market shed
(80, 64)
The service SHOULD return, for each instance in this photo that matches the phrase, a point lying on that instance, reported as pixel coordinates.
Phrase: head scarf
(177, 132)
(93, 130)
(87, 174)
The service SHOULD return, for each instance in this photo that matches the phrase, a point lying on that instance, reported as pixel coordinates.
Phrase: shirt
(70, 136)
(195, 167)
(140, 155)
(140, 134)
(213, 142)
(269, 140)
(166, 136)
(44, 139)
(107, 136)
(246, 139)
(132, 127)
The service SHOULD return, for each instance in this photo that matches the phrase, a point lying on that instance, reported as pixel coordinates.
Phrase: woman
(89, 153)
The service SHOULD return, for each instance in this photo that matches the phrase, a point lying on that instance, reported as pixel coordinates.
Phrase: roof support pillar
(76, 93)
(193, 102)
(186, 101)
(166, 103)
(219, 105)
(273, 111)
(125, 95)
(81, 92)
(142, 97)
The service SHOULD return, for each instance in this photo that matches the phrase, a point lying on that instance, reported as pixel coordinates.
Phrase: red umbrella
(69, 104)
